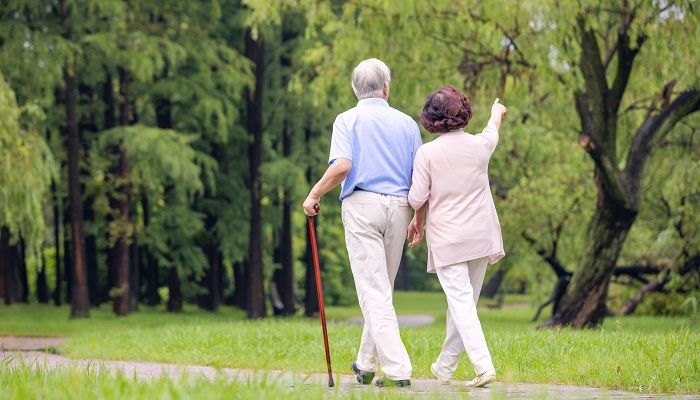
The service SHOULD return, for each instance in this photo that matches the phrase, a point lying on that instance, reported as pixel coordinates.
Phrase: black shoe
(364, 377)
(386, 382)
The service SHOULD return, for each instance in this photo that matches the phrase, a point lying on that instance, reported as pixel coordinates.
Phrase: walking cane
(319, 289)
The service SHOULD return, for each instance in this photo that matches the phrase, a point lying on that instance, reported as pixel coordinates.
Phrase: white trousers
(462, 284)
(375, 233)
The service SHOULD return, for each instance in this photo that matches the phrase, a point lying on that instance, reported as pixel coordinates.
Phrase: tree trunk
(240, 294)
(121, 302)
(42, 289)
(22, 270)
(401, 283)
(152, 296)
(584, 302)
(91, 255)
(87, 126)
(10, 282)
(110, 121)
(287, 291)
(212, 299)
(491, 287)
(80, 301)
(57, 224)
(134, 276)
(256, 291)
(213, 278)
(175, 290)
(67, 258)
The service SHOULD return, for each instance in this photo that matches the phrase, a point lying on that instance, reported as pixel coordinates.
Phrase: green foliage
(160, 158)
(26, 170)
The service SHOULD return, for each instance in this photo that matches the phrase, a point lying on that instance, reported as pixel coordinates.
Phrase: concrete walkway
(403, 320)
(31, 351)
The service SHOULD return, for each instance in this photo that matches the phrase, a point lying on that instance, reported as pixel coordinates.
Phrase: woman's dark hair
(446, 109)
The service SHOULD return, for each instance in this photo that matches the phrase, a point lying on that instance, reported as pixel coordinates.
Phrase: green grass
(27, 383)
(643, 354)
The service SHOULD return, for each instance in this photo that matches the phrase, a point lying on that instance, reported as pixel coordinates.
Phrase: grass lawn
(641, 354)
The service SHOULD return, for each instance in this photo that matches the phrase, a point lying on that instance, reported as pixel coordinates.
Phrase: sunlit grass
(70, 383)
(643, 354)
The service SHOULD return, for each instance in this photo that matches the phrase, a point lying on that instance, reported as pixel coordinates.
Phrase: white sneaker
(442, 379)
(483, 379)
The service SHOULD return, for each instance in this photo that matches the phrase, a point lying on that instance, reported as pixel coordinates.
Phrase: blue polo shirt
(381, 142)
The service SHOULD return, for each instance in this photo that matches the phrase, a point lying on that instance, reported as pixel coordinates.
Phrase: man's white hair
(369, 77)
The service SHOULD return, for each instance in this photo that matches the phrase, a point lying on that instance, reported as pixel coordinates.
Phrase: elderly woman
(463, 233)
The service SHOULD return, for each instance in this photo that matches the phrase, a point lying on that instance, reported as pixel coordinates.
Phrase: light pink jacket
(451, 174)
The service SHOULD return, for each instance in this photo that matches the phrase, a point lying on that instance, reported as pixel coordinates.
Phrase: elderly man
(372, 152)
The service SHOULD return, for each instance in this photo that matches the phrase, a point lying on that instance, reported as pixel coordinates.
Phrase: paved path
(404, 320)
(31, 351)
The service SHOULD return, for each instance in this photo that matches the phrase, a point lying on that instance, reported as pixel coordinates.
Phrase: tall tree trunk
(240, 293)
(87, 126)
(584, 302)
(287, 291)
(4, 283)
(152, 296)
(67, 258)
(92, 259)
(110, 121)
(212, 277)
(57, 224)
(80, 302)
(22, 270)
(175, 290)
(491, 287)
(121, 302)
(255, 306)
(10, 282)
(134, 276)
(212, 300)
(401, 282)
(42, 289)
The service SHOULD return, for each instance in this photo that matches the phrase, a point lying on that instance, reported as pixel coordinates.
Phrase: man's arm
(335, 174)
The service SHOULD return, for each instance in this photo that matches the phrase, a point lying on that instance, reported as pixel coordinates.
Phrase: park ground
(631, 355)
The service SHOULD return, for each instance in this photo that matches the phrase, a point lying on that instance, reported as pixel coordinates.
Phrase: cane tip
(331, 383)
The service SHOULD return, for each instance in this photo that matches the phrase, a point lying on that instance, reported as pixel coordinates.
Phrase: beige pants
(375, 233)
(462, 284)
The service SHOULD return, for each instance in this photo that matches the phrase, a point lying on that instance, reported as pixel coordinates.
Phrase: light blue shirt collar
(373, 101)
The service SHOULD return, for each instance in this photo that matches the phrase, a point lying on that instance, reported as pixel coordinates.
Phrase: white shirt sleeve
(490, 133)
(420, 189)
(341, 146)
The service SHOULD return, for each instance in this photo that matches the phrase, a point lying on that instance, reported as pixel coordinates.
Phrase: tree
(620, 190)
(255, 52)
(80, 302)
(26, 171)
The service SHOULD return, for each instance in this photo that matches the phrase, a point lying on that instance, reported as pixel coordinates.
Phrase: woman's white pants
(462, 284)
